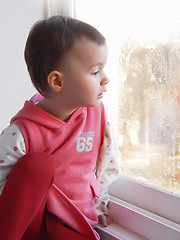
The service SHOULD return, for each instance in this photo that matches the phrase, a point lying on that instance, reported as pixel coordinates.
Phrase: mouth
(101, 95)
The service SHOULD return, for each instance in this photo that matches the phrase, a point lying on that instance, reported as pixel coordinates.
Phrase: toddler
(59, 154)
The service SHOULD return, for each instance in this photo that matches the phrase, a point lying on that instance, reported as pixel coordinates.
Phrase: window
(144, 68)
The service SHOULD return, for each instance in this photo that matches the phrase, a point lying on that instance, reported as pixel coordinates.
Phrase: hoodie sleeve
(12, 147)
(108, 166)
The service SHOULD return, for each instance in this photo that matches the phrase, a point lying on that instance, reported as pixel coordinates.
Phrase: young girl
(59, 154)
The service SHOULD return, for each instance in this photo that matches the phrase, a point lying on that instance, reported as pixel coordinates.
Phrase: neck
(57, 110)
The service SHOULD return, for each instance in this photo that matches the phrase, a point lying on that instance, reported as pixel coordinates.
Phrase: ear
(55, 81)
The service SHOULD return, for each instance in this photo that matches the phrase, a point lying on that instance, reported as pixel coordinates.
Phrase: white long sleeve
(108, 166)
(12, 147)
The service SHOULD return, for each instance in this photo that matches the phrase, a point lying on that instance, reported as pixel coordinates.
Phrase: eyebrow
(96, 64)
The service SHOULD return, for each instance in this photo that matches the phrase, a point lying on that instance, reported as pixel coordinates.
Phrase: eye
(95, 73)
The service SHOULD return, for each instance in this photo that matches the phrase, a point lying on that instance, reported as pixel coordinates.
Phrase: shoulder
(11, 140)
(10, 131)
(11, 149)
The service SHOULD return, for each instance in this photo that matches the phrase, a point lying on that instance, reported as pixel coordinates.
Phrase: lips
(101, 95)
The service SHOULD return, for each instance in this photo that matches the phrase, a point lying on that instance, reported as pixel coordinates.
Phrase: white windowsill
(133, 223)
(116, 232)
(155, 200)
(144, 223)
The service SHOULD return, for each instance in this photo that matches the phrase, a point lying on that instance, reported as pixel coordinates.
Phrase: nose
(104, 80)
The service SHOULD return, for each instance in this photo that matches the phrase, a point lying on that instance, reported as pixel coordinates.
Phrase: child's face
(84, 80)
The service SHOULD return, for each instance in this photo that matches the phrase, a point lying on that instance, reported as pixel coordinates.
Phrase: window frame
(62, 7)
(143, 209)
(133, 223)
(153, 199)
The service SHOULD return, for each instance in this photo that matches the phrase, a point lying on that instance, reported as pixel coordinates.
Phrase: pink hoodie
(75, 146)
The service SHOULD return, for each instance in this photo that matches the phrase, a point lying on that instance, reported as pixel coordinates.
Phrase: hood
(32, 113)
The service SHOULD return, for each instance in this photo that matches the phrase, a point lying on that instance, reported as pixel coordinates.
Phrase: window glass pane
(144, 69)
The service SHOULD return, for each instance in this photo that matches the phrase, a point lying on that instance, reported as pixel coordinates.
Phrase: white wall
(16, 19)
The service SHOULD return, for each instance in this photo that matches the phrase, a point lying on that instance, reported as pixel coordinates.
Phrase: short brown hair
(48, 41)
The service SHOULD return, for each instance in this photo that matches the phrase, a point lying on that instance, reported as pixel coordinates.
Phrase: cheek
(90, 86)
(82, 85)
(90, 91)
(84, 92)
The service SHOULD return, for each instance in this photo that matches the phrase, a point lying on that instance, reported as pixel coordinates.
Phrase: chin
(95, 104)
